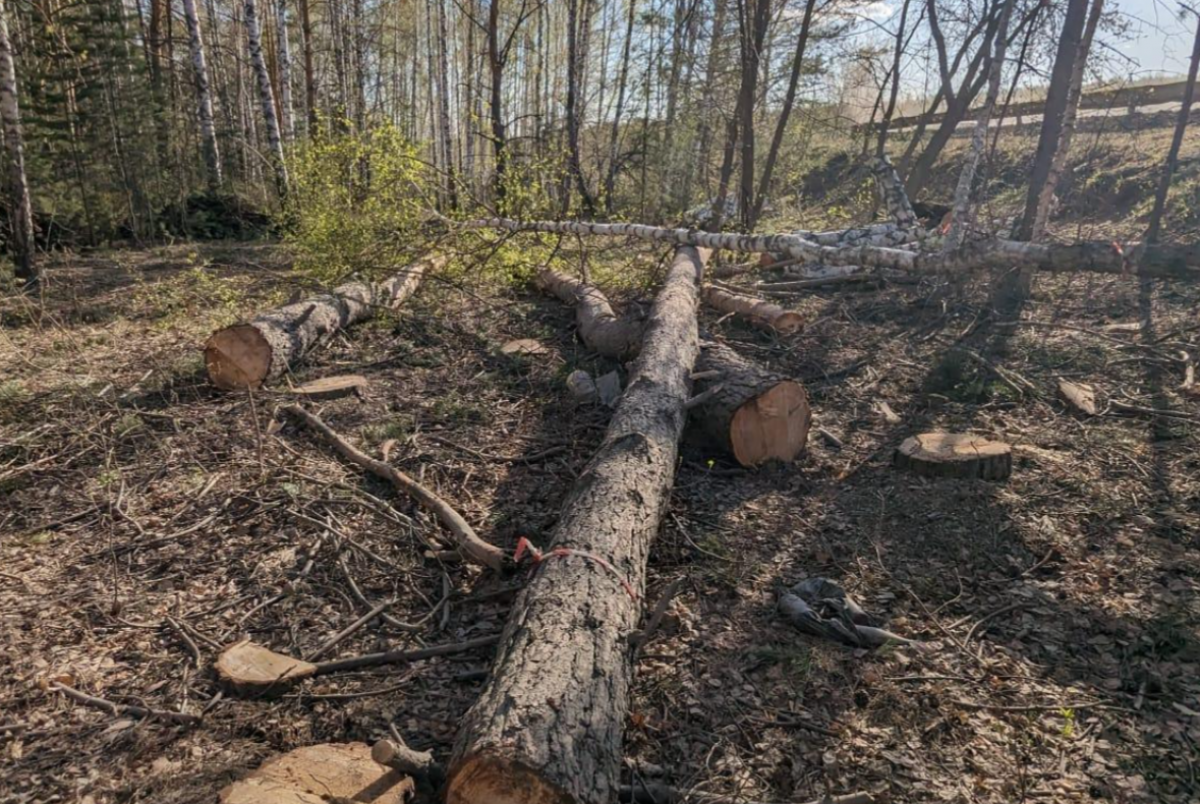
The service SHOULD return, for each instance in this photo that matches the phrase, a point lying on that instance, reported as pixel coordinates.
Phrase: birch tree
(204, 105)
(10, 115)
(266, 95)
(285, 71)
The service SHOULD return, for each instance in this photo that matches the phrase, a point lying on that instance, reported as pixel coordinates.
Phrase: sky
(1162, 42)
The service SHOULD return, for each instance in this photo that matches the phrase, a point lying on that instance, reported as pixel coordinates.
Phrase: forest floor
(1059, 610)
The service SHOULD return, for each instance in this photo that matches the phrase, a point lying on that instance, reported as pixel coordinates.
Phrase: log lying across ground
(1165, 261)
(547, 727)
(756, 415)
(248, 354)
(759, 312)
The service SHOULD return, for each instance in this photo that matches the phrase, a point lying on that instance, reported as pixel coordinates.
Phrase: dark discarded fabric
(820, 607)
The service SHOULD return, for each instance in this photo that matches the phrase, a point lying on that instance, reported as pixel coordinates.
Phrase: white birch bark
(286, 110)
(204, 104)
(10, 116)
(266, 94)
(960, 222)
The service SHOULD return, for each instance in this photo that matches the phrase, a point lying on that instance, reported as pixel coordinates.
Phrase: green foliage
(356, 204)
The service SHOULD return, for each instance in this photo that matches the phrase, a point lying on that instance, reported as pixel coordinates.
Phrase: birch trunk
(286, 109)
(10, 116)
(204, 105)
(266, 95)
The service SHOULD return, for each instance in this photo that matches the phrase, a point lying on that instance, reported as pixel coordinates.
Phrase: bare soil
(1058, 611)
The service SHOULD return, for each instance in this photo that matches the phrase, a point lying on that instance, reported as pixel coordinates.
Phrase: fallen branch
(762, 314)
(464, 536)
(129, 710)
(247, 355)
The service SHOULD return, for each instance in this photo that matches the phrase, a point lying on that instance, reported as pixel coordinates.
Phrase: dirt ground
(148, 520)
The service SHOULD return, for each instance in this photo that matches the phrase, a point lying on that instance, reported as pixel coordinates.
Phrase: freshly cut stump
(759, 312)
(247, 355)
(250, 669)
(955, 455)
(319, 774)
(754, 414)
(547, 727)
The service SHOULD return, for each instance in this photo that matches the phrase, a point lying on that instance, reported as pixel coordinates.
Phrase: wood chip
(332, 387)
(1081, 398)
(321, 773)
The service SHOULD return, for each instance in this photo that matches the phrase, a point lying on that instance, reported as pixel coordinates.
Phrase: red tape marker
(537, 557)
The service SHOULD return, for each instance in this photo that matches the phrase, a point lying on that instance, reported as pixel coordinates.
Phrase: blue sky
(1162, 42)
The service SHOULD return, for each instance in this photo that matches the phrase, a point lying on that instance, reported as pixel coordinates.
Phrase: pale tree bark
(1154, 230)
(444, 107)
(610, 177)
(204, 105)
(1045, 203)
(1057, 97)
(266, 96)
(310, 76)
(21, 213)
(966, 180)
(286, 110)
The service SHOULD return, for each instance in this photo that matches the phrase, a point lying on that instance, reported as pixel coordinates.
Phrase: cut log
(599, 326)
(1081, 398)
(251, 670)
(752, 405)
(547, 727)
(955, 455)
(321, 773)
(524, 346)
(759, 312)
(756, 415)
(247, 355)
(331, 387)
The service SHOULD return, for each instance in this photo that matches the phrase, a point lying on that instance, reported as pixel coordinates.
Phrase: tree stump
(957, 455)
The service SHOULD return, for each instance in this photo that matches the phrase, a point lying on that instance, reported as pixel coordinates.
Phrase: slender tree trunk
(204, 104)
(310, 76)
(966, 180)
(1045, 200)
(764, 185)
(1057, 96)
(881, 146)
(444, 106)
(576, 64)
(266, 96)
(708, 105)
(1154, 230)
(610, 178)
(21, 211)
(757, 17)
(286, 109)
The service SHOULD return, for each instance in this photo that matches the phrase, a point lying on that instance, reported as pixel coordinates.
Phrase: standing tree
(1053, 116)
(10, 113)
(285, 71)
(266, 96)
(204, 104)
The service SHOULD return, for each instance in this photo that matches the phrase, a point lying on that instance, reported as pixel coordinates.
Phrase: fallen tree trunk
(599, 326)
(756, 416)
(760, 313)
(547, 726)
(1156, 260)
(248, 354)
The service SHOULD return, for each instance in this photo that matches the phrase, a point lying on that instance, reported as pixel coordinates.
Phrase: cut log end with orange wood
(328, 772)
(756, 415)
(247, 355)
(760, 313)
(955, 455)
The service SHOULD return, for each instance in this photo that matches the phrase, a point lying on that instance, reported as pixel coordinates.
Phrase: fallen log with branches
(755, 415)
(248, 354)
(1146, 260)
(548, 724)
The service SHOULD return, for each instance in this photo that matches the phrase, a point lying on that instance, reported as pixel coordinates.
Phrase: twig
(464, 535)
(387, 618)
(187, 640)
(351, 629)
(656, 617)
(401, 656)
(124, 709)
(993, 615)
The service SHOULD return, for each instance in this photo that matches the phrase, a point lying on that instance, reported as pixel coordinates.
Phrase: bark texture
(755, 414)
(547, 726)
(599, 326)
(10, 118)
(286, 109)
(247, 355)
(759, 312)
(204, 103)
(266, 95)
